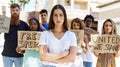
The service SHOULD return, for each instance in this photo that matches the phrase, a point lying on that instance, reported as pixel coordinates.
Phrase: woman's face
(58, 17)
(33, 25)
(76, 25)
(108, 27)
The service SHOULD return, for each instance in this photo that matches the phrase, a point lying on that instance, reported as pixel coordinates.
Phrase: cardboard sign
(4, 24)
(28, 39)
(89, 31)
(25, 16)
(105, 43)
(80, 36)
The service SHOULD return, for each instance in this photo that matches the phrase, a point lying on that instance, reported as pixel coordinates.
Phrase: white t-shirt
(58, 45)
(88, 57)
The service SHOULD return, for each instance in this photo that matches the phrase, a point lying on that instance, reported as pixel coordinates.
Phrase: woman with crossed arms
(57, 45)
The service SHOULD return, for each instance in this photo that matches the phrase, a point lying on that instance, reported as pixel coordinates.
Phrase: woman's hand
(65, 53)
(119, 46)
(83, 45)
(118, 50)
(70, 57)
(18, 50)
(46, 49)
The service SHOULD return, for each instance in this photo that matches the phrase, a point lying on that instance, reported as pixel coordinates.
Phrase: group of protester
(57, 45)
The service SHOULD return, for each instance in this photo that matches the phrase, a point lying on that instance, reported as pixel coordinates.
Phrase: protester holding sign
(77, 24)
(9, 53)
(88, 20)
(86, 52)
(57, 45)
(108, 59)
(32, 54)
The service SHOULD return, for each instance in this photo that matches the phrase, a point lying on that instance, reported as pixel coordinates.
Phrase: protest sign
(80, 36)
(26, 16)
(89, 31)
(4, 24)
(28, 39)
(105, 43)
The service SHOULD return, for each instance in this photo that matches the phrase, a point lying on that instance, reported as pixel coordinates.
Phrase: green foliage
(12, 1)
(24, 1)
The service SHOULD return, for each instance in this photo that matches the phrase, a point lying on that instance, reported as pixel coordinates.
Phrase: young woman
(57, 45)
(107, 59)
(77, 24)
(31, 58)
(86, 52)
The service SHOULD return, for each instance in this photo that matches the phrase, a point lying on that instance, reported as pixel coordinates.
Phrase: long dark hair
(51, 22)
(36, 21)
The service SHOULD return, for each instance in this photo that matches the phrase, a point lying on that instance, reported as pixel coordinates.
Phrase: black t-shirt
(10, 43)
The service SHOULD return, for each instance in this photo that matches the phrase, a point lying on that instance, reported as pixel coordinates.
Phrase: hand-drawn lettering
(98, 47)
(105, 43)
(34, 36)
(4, 24)
(110, 47)
(22, 35)
(28, 39)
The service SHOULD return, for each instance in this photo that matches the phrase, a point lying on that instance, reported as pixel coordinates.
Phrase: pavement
(1, 48)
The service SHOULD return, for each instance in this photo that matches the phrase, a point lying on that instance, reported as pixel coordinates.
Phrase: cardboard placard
(28, 39)
(4, 24)
(25, 16)
(105, 43)
(80, 36)
(89, 31)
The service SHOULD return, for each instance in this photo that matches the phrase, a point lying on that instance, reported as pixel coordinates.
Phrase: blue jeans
(87, 64)
(8, 61)
(47, 66)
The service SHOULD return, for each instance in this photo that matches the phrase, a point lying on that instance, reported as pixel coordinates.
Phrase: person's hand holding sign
(118, 52)
(18, 50)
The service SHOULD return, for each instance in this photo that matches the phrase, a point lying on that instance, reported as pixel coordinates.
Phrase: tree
(23, 3)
